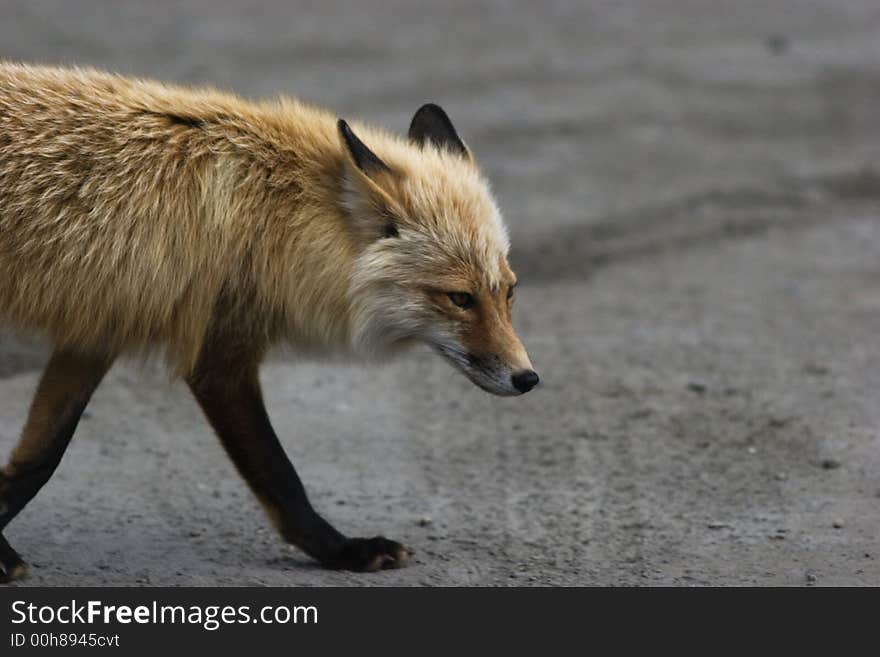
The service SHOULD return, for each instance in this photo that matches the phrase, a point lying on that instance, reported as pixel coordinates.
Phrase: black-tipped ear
(431, 123)
(366, 160)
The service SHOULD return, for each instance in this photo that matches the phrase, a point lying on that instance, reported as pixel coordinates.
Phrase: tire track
(714, 216)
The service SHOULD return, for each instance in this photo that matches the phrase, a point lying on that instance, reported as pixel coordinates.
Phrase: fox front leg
(232, 401)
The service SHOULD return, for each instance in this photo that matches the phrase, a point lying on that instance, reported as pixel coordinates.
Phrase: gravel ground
(693, 193)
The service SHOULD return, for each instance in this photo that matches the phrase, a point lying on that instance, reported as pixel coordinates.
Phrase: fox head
(432, 253)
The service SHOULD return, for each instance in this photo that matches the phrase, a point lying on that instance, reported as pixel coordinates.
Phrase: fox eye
(462, 299)
(510, 291)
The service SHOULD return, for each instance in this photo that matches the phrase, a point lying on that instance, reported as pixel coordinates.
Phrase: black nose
(525, 380)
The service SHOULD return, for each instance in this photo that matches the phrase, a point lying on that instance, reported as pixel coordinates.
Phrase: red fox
(137, 216)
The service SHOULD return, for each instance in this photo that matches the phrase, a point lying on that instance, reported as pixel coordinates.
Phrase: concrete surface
(693, 193)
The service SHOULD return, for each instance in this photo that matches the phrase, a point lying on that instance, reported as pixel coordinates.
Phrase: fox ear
(431, 123)
(365, 159)
(366, 189)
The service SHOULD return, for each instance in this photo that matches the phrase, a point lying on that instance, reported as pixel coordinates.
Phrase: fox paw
(371, 554)
(11, 565)
(11, 573)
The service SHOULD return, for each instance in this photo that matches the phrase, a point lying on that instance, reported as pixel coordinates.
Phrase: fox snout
(498, 377)
(494, 374)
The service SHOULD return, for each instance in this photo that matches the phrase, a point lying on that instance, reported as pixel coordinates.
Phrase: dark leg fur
(62, 395)
(229, 393)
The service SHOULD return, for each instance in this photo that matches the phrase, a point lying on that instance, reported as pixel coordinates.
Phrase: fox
(139, 217)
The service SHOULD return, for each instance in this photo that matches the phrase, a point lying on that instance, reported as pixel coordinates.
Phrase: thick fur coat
(130, 211)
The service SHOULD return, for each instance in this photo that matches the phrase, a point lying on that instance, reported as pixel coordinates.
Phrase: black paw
(371, 554)
(11, 565)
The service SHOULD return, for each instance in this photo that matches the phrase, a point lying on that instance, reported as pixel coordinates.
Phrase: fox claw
(372, 554)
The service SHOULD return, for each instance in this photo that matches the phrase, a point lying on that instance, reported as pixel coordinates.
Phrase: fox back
(122, 207)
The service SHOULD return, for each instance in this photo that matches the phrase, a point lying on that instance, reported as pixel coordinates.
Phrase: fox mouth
(486, 374)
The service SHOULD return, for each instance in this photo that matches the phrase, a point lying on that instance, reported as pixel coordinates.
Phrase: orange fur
(130, 209)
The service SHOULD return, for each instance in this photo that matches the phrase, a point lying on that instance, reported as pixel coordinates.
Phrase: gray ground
(694, 197)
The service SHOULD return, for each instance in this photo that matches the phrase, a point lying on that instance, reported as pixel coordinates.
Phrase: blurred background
(693, 194)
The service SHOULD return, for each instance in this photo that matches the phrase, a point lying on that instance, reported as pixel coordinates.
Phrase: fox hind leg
(64, 390)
